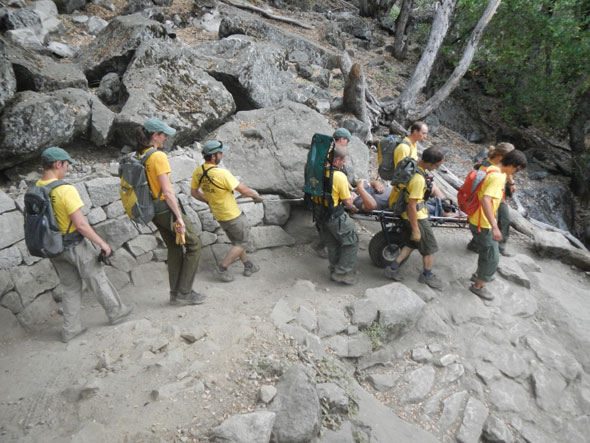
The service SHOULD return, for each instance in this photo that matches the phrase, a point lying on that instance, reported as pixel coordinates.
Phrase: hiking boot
(474, 277)
(192, 298)
(433, 281)
(482, 292)
(347, 278)
(121, 314)
(224, 276)
(472, 247)
(393, 274)
(68, 336)
(250, 268)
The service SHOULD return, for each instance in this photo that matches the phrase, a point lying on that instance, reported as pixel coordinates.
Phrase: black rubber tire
(380, 252)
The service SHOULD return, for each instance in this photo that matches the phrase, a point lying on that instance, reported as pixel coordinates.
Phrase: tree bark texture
(417, 113)
(580, 150)
(375, 8)
(400, 45)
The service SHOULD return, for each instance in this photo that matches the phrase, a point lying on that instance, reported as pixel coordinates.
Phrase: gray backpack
(386, 147)
(42, 235)
(406, 169)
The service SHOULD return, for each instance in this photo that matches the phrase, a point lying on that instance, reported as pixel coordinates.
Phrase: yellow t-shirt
(340, 189)
(156, 165)
(221, 198)
(416, 189)
(493, 185)
(403, 150)
(65, 201)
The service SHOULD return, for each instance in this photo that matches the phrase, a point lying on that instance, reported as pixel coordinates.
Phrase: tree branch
(268, 14)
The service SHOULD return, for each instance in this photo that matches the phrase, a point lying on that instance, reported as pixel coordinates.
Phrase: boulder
(95, 25)
(11, 227)
(103, 190)
(115, 45)
(276, 141)
(101, 123)
(7, 79)
(79, 101)
(109, 89)
(25, 38)
(117, 231)
(32, 122)
(399, 307)
(6, 203)
(36, 72)
(275, 212)
(61, 50)
(10, 328)
(299, 49)
(254, 212)
(69, 6)
(38, 311)
(134, 6)
(185, 96)
(297, 408)
(6, 283)
(29, 281)
(245, 428)
(270, 237)
(10, 257)
(254, 72)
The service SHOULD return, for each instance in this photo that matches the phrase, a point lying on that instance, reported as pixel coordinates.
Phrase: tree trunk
(375, 8)
(440, 26)
(354, 94)
(418, 113)
(580, 149)
(400, 44)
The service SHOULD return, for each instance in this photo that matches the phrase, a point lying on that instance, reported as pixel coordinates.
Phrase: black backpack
(386, 148)
(42, 235)
(405, 171)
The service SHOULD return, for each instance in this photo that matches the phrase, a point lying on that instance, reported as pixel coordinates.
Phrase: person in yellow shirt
(408, 147)
(484, 225)
(78, 262)
(417, 232)
(214, 186)
(183, 260)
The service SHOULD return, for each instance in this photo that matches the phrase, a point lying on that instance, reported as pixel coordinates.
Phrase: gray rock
(270, 237)
(13, 302)
(25, 38)
(315, 346)
(421, 355)
(508, 396)
(496, 431)
(101, 123)
(142, 244)
(134, 6)
(6, 203)
(363, 312)
(116, 231)
(182, 168)
(399, 307)
(511, 271)
(207, 238)
(69, 6)
(281, 313)
(267, 393)
(527, 263)
(29, 281)
(338, 344)
(103, 190)
(10, 328)
(25, 18)
(194, 219)
(359, 345)
(487, 372)
(297, 408)
(38, 311)
(356, 128)
(254, 71)
(344, 434)
(420, 383)
(307, 318)
(299, 48)
(453, 373)
(43, 73)
(253, 212)
(115, 209)
(548, 386)
(96, 215)
(554, 356)
(7, 79)
(109, 89)
(556, 246)
(95, 25)
(10, 257)
(195, 102)
(6, 283)
(577, 429)
(79, 101)
(62, 50)
(81, 188)
(49, 121)
(334, 397)
(296, 332)
(331, 321)
(474, 417)
(381, 357)
(430, 323)
(245, 428)
(118, 278)
(28, 259)
(382, 382)
(115, 45)
(508, 362)
(452, 406)
(358, 27)
(275, 213)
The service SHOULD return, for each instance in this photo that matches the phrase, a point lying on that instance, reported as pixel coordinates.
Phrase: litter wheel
(380, 252)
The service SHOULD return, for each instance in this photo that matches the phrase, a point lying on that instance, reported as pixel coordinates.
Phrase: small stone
(267, 393)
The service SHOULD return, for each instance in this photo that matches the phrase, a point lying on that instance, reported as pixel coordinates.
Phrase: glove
(416, 236)
(102, 258)
(258, 199)
(180, 238)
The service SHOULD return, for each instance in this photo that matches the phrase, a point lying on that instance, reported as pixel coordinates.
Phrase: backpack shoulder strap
(50, 187)
(146, 155)
(206, 174)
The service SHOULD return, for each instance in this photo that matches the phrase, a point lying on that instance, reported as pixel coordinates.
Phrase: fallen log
(266, 13)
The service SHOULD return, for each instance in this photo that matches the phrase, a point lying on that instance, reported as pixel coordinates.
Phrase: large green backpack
(319, 176)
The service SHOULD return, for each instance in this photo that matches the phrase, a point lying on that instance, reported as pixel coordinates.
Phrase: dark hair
(47, 164)
(208, 157)
(433, 155)
(143, 138)
(417, 126)
(500, 149)
(515, 158)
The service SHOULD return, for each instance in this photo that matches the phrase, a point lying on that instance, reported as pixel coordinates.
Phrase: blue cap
(55, 154)
(154, 124)
(213, 147)
(342, 133)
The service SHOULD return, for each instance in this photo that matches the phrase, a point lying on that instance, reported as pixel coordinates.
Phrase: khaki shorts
(427, 244)
(237, 230)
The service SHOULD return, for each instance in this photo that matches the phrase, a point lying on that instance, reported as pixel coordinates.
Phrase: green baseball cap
(55, 154)
(154, 124)
(213, 147)
(342, 133)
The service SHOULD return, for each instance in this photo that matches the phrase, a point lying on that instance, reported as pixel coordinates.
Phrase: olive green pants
(340, 237)
(183, 261)
(489, 255)
(503, 218)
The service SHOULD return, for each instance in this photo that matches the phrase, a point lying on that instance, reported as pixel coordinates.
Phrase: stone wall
(29, 286)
